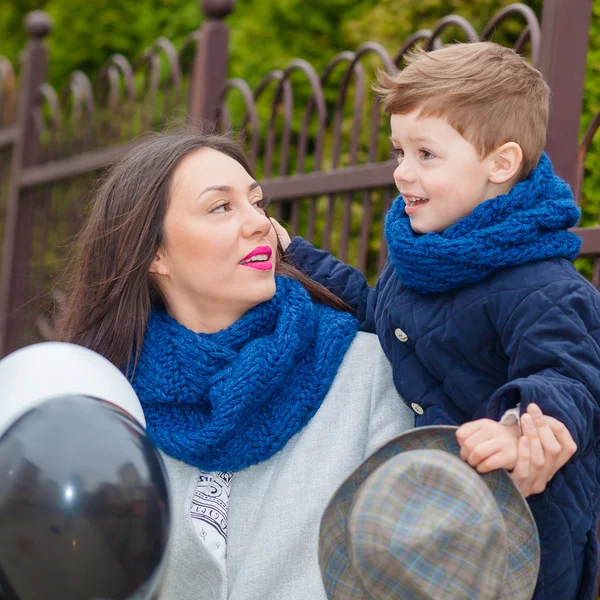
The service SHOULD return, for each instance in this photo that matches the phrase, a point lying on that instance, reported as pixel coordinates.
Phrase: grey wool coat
(275, 507)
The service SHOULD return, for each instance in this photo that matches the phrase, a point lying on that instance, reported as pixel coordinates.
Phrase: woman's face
(218, 259)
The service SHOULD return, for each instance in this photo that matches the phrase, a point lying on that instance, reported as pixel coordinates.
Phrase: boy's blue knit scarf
(228, 400)
(528, 224)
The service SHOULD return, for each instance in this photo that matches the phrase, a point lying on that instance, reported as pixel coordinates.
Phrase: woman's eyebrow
(225, 188)
(215, 188)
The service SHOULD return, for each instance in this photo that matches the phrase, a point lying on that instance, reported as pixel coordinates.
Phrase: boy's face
(439, 174)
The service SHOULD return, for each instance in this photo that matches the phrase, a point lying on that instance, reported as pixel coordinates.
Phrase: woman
(253, 379)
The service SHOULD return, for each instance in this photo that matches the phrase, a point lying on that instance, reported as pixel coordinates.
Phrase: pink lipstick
(258, 259)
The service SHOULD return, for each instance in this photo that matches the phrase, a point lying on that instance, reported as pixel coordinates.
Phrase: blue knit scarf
(528, 224)
(228, 400)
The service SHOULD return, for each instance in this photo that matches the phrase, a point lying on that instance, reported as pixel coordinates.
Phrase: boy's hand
(487, 445)
(282, 234)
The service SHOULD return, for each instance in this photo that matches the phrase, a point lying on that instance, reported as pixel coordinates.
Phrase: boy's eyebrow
(414, 138)
(420, 138)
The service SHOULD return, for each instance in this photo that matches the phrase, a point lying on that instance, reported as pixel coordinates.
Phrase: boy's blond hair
(487, 92)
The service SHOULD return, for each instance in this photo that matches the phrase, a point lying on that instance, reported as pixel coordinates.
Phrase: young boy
(479, 308)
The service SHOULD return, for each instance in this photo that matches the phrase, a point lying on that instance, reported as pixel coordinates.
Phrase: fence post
(210, 63)
(15, 274)
(563, 55)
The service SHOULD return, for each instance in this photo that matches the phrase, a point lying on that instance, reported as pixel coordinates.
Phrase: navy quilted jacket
(525, 334)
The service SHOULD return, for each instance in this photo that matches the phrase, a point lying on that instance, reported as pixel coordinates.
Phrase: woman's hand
(545, 446)
(282, 234)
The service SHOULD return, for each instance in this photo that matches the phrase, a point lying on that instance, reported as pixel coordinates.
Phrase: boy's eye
(426, 155)
(398, 153)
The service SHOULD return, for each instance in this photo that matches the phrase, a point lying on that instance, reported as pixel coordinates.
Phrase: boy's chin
(423, 229)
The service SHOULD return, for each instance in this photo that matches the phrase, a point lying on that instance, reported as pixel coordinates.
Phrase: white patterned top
(209, 511)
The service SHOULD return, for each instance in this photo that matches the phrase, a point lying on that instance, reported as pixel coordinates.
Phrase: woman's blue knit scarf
(528, 224)
(228, 400)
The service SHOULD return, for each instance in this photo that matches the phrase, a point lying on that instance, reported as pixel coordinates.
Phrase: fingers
(550, 445)
(480, 451)
(520, 474)
(474, 433)
(282, 234)
(559, 430)
(483, 439)
(468, 429)
(557, 442)
(535, 445)
(499, 460)
(474, 441)
(535, 481)
(564, 438)
(525, 474)
(534, 410)
(555, 424)
(545, 446)
(537, 470)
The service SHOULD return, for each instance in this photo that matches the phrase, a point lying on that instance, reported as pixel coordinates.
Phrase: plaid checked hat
(415, 522)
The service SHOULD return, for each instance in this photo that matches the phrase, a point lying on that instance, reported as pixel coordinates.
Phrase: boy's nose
(403, 172)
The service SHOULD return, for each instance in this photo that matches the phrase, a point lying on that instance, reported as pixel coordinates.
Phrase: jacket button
(417, 408)
(401, 335)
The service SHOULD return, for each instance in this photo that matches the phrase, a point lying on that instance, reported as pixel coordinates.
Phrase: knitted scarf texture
(528, 224)
(231, 399)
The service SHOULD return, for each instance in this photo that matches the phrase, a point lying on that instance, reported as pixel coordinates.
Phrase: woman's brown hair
(109, 290)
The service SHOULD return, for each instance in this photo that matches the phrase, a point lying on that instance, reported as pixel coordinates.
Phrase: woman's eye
(426, 155)
(261, 203)
(398, 153)
(221, 208)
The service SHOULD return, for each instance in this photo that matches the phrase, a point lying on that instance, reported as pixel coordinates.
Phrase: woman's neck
(203, 319)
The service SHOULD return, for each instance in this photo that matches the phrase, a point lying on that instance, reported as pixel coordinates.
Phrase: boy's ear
(159, 265)
(506, 162)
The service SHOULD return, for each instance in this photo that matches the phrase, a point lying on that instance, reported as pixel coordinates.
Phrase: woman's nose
(255, 222)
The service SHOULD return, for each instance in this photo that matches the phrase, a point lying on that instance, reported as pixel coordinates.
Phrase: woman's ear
(159, 265)
(506, 162)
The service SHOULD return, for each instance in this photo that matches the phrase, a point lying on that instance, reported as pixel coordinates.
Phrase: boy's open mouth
(414, 200)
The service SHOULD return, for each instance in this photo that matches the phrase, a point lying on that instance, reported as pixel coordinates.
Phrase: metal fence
(318, 140)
